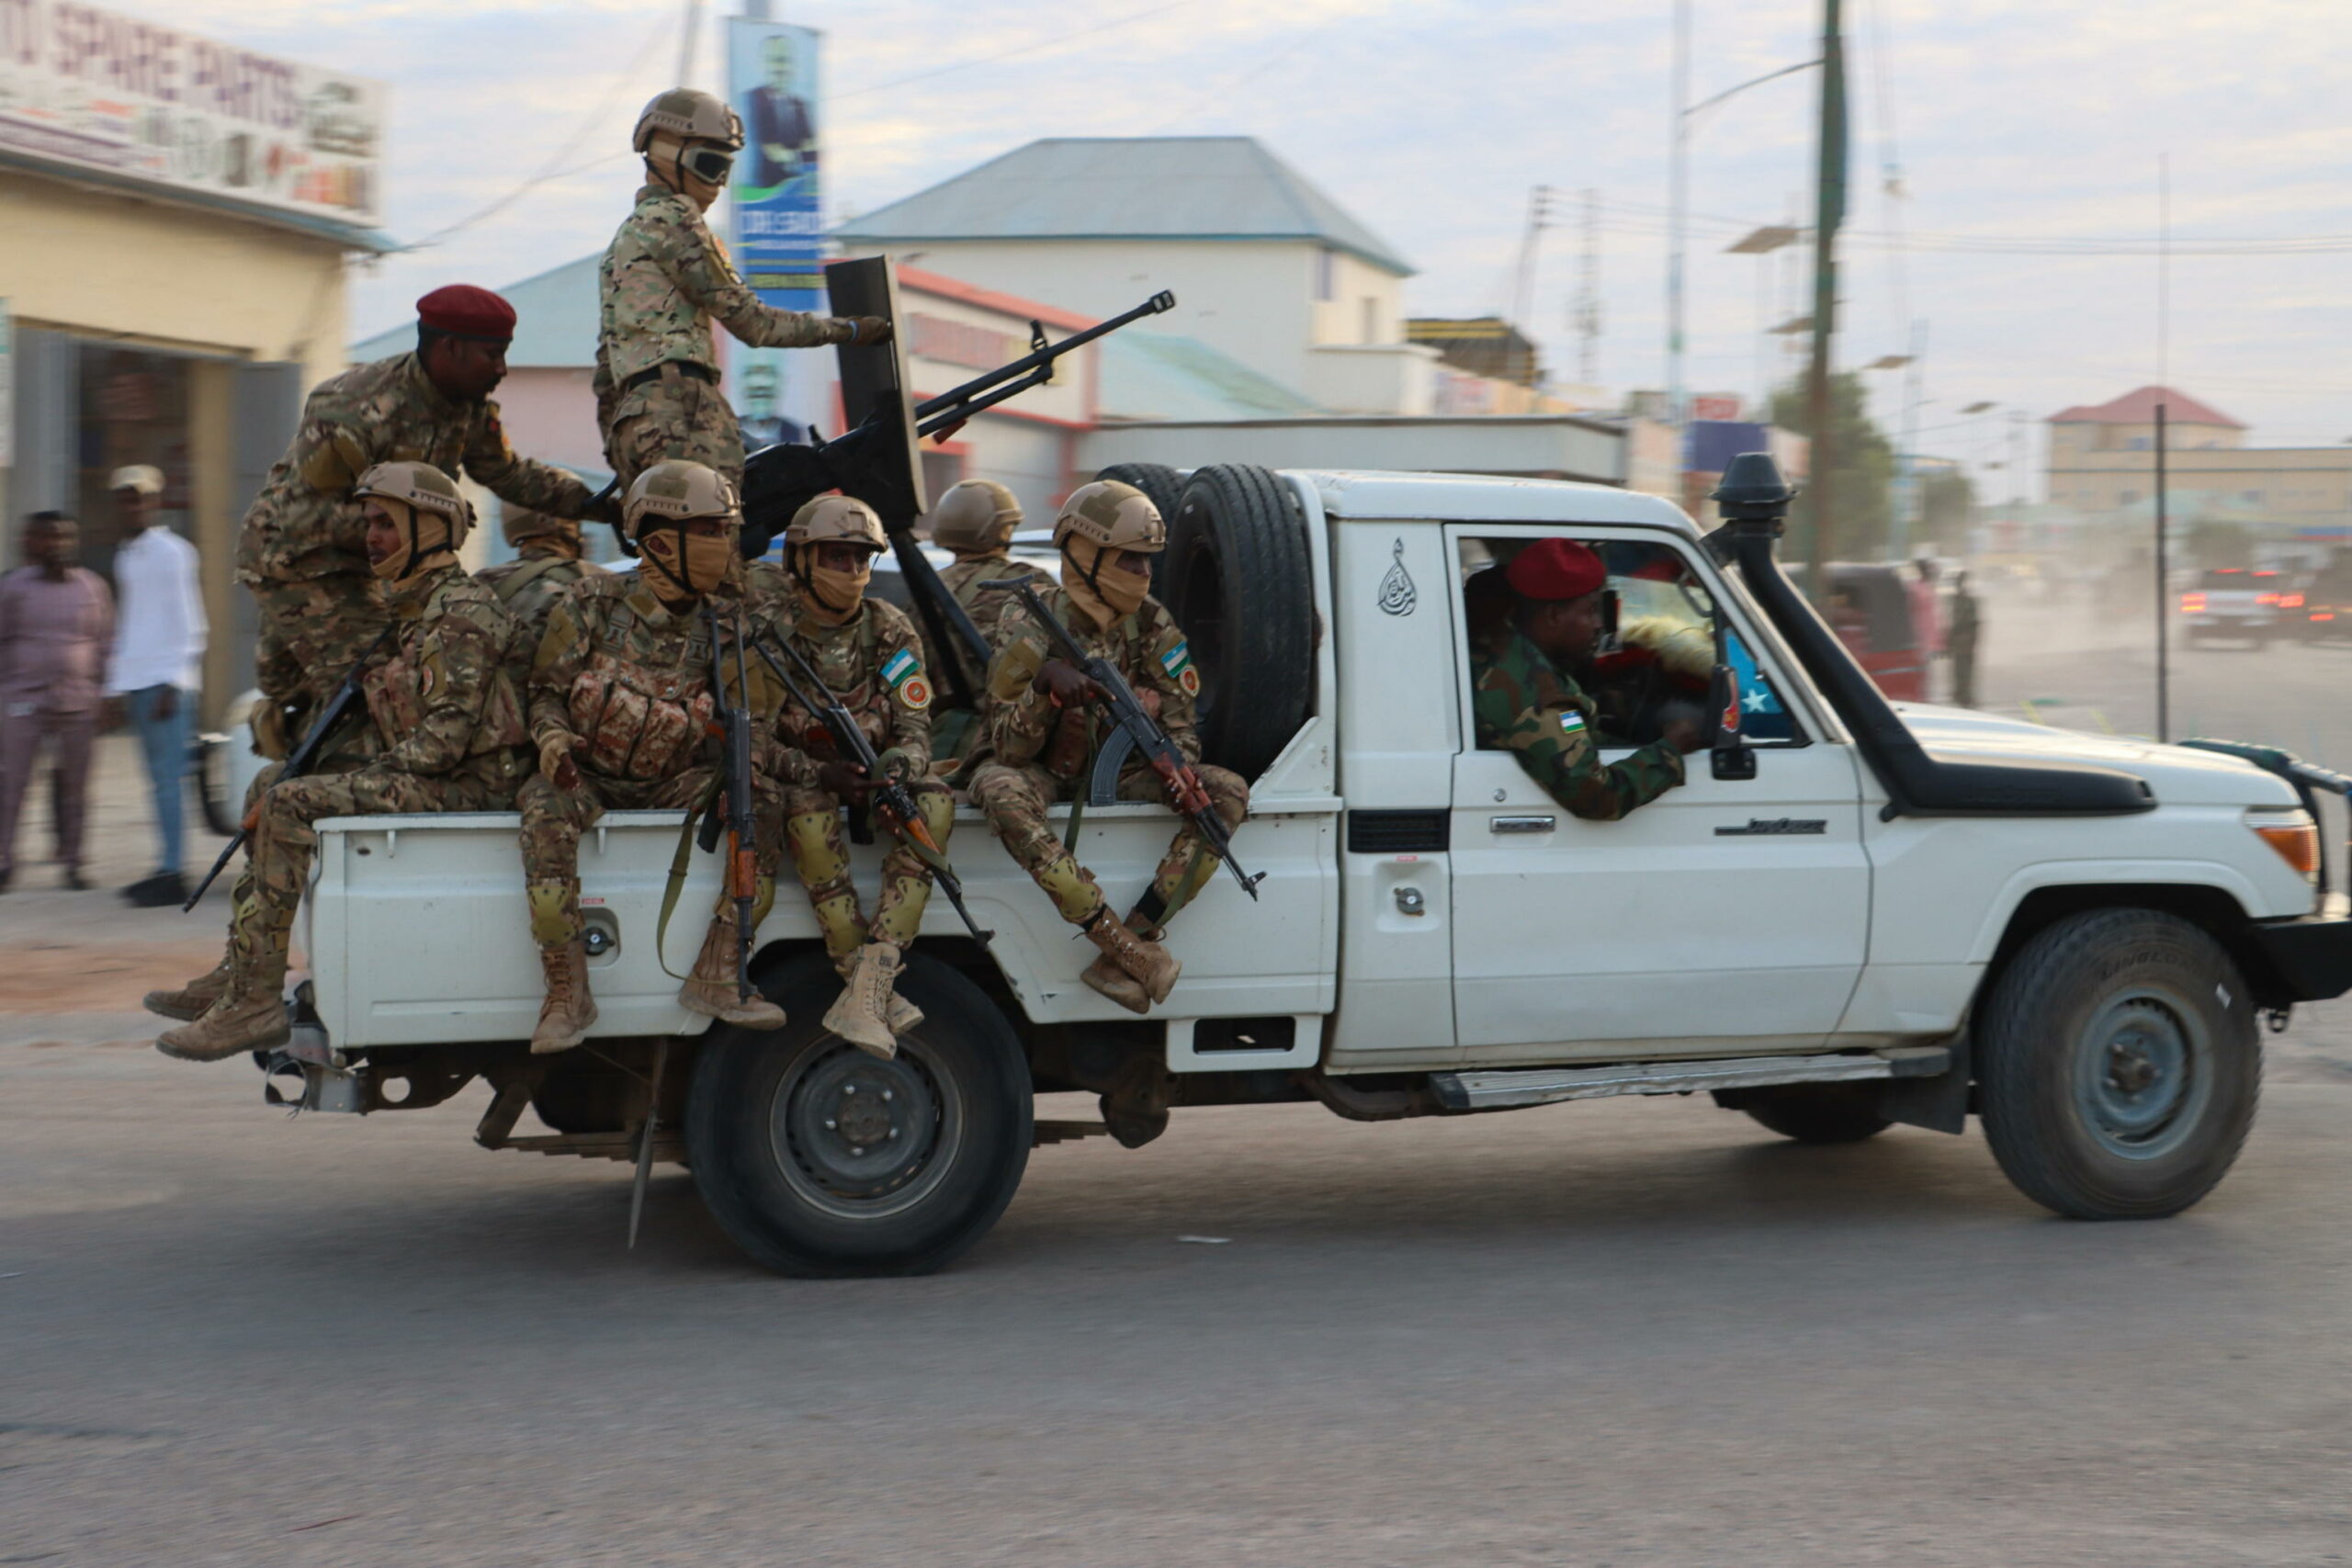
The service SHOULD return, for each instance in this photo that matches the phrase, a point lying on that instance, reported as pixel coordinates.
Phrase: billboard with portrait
(778, 223)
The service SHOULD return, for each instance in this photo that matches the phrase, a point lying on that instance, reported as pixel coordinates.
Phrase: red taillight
(2324, 615)
(2290, 600)
(2271, 599)
(2192, 603)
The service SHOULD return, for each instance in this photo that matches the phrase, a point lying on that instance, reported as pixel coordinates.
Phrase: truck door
(1727, 916)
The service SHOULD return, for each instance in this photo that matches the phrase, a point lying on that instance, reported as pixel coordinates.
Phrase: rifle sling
(679, 860)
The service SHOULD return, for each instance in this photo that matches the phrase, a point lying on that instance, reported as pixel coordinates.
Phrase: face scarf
(1103, 590)
(833, 595)
(695, 564)
(426, 534)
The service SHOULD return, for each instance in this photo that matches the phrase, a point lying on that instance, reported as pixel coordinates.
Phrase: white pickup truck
(1852, 914)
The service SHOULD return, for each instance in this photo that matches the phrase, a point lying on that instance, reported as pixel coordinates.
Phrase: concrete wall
(2285, 482)
(1372, 378)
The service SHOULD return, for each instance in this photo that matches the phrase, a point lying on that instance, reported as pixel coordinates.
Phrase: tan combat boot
(569, 1010)
(902, 1015)
(249, 1016)
(862, 1014)
(710, 990)
(192, 1000)
(1133, 971)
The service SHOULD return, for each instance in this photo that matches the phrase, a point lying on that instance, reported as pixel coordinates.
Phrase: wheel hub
(858, 1127)
(2140, 1075)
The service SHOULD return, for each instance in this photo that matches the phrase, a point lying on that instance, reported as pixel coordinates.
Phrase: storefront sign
(93, 89)
(778, 221)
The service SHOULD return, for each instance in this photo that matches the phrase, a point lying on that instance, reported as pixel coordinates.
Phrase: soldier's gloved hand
(843, 782)
(866, 331)
(1683, 734)
(554, 760)
(603, 507)
(1066, 684)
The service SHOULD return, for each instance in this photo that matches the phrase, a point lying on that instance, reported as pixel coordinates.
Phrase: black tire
(2118, 1066)
(1236, 577)
(1817, 1113)
(1158, 481)
(210, 771)
(781, 1176)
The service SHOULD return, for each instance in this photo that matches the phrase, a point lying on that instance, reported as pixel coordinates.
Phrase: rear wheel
(2118, 1065)
(1817, 1113)
(821, 1161)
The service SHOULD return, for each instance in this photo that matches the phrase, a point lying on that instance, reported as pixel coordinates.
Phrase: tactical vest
(641, 723)
(647, 319)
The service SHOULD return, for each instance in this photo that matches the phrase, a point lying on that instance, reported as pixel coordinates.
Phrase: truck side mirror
(1728, 751)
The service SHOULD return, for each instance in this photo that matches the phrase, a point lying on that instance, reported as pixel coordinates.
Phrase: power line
(1014, 52)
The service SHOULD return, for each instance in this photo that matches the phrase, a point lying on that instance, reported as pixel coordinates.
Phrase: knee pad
(815, 839)
(555, 913)
(1072, 889)
(762, 900)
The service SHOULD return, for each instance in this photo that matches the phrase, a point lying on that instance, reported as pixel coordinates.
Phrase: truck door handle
(1522, 824)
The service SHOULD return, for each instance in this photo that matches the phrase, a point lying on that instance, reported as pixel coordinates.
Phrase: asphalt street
(1609, 1334)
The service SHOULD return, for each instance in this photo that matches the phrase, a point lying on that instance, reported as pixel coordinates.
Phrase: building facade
(2102, 459)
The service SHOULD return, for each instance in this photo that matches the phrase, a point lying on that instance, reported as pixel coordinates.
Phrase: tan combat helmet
(673, 491)
(836, 518)
(422, 487)
(975, 518)
(1113, 517)
(521, 525)
(691, 116)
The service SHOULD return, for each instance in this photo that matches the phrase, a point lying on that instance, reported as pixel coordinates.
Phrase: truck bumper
(2310, 958)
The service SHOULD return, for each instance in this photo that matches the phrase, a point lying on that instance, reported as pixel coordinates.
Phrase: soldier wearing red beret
(1526, 701)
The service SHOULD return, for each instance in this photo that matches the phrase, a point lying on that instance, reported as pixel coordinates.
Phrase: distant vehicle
(2326, 612)
(2237, 603)
(1870, 609)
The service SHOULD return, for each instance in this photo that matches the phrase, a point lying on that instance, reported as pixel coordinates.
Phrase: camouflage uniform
(448, 726)
(629, 679)
(1525, 704)
(873, 662)
(300, 550)
(531, 584)
(1038, 754)
(663, 278)
(957, 732)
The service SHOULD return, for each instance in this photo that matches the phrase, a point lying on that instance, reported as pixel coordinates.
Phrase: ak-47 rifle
(893, 801)
(1119, 700)
(300, 761)
(735, 740)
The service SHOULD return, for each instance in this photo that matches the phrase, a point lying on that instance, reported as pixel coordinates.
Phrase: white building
(1267, 270)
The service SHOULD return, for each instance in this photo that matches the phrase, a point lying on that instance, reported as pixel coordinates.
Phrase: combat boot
(249, 1016)
(862, 1014)
(190, 1001)
(902, 1015)
(711, 992)
(1134, 970)
(569, 1010)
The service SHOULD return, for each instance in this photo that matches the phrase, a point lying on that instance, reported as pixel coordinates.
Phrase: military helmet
(695, 115)
(832, 519)
(673, 491)
(422, 487)
(1113, 515)
(520, 525)
(978, 514)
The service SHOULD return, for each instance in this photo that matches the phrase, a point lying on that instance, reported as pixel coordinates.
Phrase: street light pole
(1829, 212)
(1677, 221)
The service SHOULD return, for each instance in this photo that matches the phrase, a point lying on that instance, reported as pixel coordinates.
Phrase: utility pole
(2163, 671)
(686, 44)
(1588, 311)
(1677, 203)
(1829, 212)
(1539, 218)
(1910, 511)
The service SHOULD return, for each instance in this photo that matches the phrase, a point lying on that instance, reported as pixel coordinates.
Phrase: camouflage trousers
(813, 830)
(554, 817)
(313, 630)
(677, 416)
(1015, 800)
(285, 841)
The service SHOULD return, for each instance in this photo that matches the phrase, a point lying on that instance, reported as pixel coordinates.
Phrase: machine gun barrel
(952, 400)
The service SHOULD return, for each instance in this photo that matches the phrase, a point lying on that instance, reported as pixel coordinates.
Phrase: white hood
(2179, 775)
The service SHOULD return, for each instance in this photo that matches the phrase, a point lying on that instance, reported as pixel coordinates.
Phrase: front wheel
(2118, 1065)
(821, 1161)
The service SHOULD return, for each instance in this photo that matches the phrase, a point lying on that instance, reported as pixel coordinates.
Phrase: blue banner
(777, 213)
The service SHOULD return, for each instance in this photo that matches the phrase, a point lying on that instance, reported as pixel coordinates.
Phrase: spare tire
(1236, 577)
(1158, 481)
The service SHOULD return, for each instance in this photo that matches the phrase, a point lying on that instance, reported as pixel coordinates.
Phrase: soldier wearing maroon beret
(1526, 701)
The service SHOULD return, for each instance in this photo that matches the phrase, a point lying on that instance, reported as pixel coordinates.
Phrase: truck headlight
(2293, 835)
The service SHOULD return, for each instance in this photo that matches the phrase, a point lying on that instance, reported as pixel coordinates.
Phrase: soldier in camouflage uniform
(300, 550)
(867, 653)
(975, 522)
(450, 729)
(663, 278)
(621, 702)
(547, 562)
(1039, 734)
(1525, 702)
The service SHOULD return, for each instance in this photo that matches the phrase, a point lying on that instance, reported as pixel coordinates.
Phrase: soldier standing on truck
(1526, 701)
(1039, 735)
(301, 552)
(449, 735)
(975, 522)
(867, 653)
(663, 278)
(621, 704)
(547, 562)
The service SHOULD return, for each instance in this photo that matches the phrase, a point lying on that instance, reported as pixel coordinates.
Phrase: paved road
(1623, 1333)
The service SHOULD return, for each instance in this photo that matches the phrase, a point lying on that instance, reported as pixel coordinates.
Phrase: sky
(2027, 134)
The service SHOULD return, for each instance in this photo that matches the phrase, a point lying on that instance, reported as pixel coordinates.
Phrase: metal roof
(2139, 407)
(1159, 376)
(555, 321)
(1145, 187)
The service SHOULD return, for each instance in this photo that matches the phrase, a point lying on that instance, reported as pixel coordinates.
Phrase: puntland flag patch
(1178, 662)
(902, 672)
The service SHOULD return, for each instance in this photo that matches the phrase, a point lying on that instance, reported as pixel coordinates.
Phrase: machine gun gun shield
(873, 386)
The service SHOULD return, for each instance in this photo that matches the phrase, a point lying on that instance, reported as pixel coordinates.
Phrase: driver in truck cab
(450, 729)
(1525, 699)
